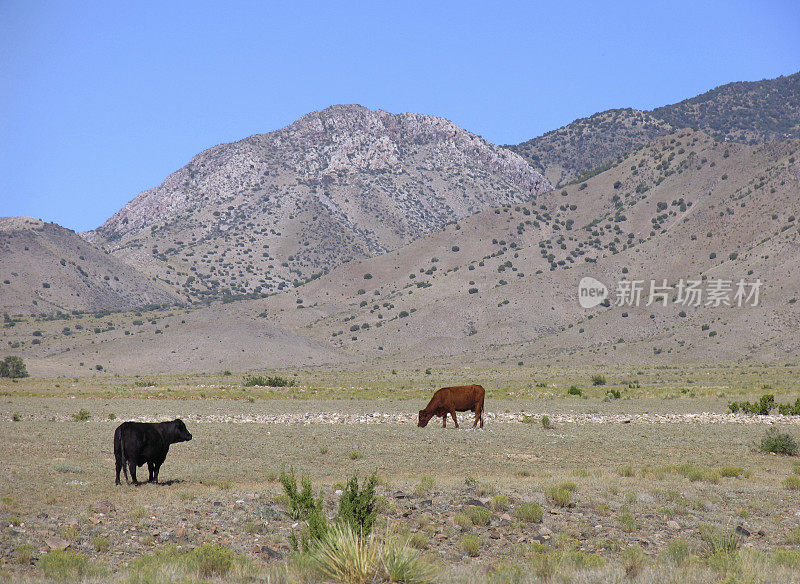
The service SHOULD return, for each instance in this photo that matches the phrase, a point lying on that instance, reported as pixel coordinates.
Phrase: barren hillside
(45, 268)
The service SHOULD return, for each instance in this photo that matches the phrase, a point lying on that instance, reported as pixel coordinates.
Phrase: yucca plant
(346, 557)
(400, 563)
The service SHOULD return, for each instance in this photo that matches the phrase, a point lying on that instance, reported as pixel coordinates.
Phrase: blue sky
(100, 101)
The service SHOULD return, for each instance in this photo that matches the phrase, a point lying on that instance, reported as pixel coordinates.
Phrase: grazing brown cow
(450, 400)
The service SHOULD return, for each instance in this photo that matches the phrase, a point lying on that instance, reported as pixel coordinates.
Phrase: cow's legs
(119, 469)
(455, 420)
(444, 421)
(478, 416)
(156, 468)
(132, 468)
(150, 472)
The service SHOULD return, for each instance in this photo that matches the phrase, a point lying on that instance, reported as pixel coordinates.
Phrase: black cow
(138, 442)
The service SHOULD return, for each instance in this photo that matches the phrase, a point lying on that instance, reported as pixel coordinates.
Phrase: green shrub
(719, 541)
(598, 379)
(81, 415)
(425, 485)
(561, 495)
(357, 506)
(627, 523)
(761, 408)
(355, 455)
(101, 544)
(14, 367)
(211, 559)
(463, 521)
(499, 503)
(778, 442)
(546, 423)
(574, 390)
(677, 551)
(418, 540)
(626, 471)
(478, 515)
(613, 394)
(529, 512)
(303, 506)
(792, 483)
(261, 381)
(471, 545)
(633, 561)
(66, 565)
(24, 553)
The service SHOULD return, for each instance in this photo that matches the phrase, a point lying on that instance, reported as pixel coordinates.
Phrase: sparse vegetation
(778, 442)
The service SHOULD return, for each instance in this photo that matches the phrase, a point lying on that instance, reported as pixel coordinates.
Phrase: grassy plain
(644, 499)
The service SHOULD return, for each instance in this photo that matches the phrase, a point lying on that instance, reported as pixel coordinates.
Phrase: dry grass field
(639, 488)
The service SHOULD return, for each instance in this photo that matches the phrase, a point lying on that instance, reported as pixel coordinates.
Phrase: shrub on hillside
(13, 366)
(778, 442)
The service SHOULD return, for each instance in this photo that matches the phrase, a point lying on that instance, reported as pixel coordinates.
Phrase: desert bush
(463, 521)
(357, 506)
(561, 495)
(574, 390)
(418, 540)
(778, 442)
(81, 415)
(626, 471)
(529, 512)
(303, 506)
(613, 394)
(14, 367)
(471, 545)
(792, 483)
(628, 523)
(261, 381)
(499, 503)
(676, 551)
(67, 565)
(478, 515)
(425, 485)
(546, 423)
(211, 559)
(24, 553)
(633, 561)
(761, 408)
(719, 541)
(598, 379)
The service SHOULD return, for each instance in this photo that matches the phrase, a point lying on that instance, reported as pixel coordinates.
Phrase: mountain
(500, 286)
(47, 268)
(254, 216)
(747, 111)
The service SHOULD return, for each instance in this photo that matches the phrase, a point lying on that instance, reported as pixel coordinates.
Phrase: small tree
(303, 506)
(357, 507)
(13, 367)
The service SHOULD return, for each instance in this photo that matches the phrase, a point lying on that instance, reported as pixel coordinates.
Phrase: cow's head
(179, 431)
(424, 418)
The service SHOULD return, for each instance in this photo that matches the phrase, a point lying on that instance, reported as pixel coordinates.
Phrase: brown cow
(450, 400)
